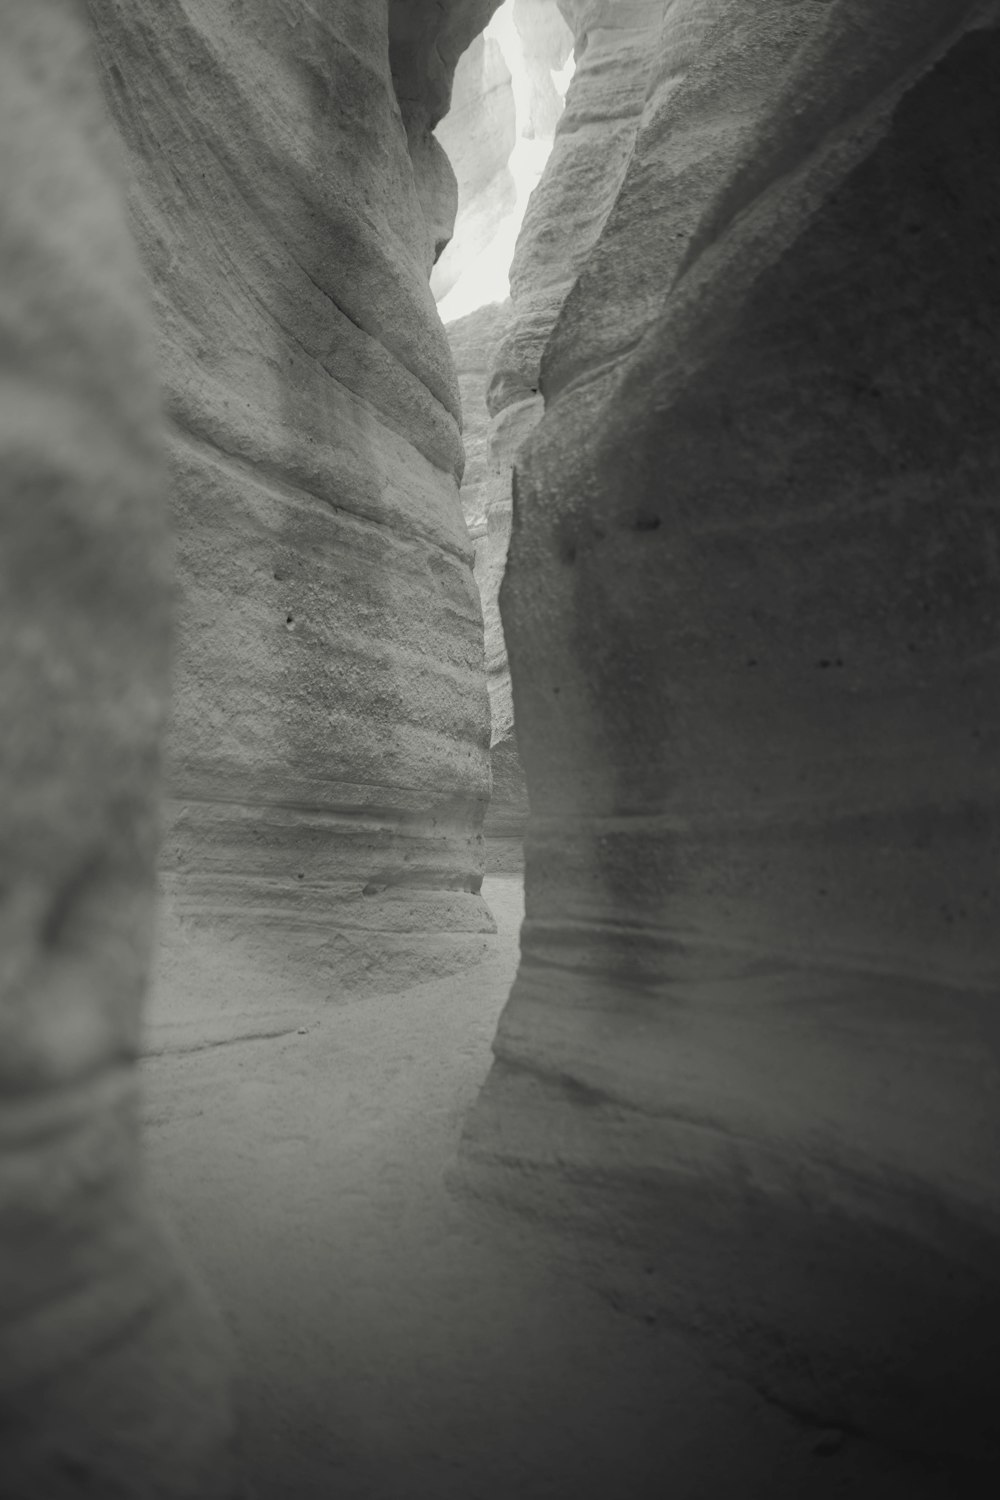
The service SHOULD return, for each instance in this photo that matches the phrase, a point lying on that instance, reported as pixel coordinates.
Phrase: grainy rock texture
(751, 608)
(112, 1370)
(328, 753)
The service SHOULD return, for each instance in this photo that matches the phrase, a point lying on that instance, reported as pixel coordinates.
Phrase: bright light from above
(486, 279)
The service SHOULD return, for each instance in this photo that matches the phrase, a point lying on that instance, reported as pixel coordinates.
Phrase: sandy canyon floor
(398, 1343)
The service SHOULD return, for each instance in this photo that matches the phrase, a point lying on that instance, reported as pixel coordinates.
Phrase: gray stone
(751, 611)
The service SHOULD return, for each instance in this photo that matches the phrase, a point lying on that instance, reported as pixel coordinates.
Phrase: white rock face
(478, 133)
(112, 1367)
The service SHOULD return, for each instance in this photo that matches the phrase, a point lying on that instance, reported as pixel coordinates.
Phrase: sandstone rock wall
(752, 619)
(113, 1372)
(328, 752)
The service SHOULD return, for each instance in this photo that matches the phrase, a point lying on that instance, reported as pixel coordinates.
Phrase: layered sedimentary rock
(615, 49)
(478, 135)
(751, 607)
(328, 751)
(112, 1370)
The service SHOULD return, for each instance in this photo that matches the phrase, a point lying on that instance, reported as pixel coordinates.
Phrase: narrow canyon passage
(396, 1344)
(499, 746)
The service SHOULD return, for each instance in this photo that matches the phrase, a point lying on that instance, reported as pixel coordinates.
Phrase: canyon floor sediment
(396, 1341)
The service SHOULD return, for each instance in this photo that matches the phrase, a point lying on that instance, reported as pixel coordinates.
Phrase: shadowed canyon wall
(751, 609)
(328, 751)
(750, 1058)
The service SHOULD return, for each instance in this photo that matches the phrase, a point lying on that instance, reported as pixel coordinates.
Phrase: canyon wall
(328, 751)
(751, 608)
(113, 1370)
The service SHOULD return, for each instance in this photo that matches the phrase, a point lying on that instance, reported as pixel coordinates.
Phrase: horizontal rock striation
(751, 608)
(113, 1370)
(328, 750)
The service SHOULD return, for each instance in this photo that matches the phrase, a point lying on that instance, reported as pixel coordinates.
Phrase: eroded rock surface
(113, 1369)
(328, 751)
(751, 610)
(565, 214)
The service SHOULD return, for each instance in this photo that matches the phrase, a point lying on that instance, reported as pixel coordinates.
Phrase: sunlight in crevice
(485, 279)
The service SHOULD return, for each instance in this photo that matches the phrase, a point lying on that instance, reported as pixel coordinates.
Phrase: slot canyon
(499, 799)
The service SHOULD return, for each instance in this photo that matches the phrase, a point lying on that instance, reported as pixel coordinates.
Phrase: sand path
(399, 1345)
